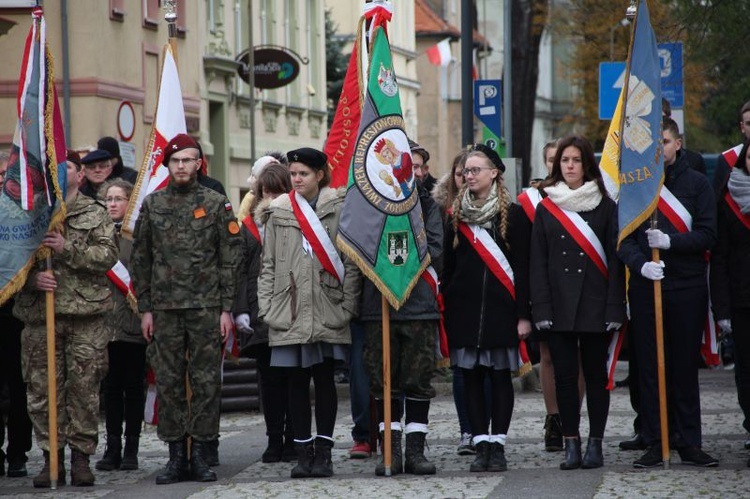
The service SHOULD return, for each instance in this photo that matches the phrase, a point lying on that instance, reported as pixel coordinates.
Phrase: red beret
(73, 157)
(178, 143)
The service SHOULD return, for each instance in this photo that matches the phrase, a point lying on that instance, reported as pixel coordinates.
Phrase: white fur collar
(585, 198)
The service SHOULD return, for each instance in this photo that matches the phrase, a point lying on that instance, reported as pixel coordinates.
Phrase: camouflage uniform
(185, 255)
(82, 299)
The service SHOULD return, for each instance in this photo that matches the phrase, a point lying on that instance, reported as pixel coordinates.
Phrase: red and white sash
(431, 278)
(490, 253)
(581, 233)
(528, 200)
(317, 236)
(613, 353)
(745, 219)
(250, 225)
(675, 212)
(731, 155)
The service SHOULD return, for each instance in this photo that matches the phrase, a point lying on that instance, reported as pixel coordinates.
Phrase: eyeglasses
(474, 170)
(98, 166)
(184, 161)
(116, 199)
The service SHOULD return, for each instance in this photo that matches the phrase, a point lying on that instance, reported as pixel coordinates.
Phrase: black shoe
(305, 457)
(553, 437)
(289, 453)
(482, 459)
(572, 454)
(696, 457)
(415, 461)
(497, 457)
(650, 459)
(199, 469)
(177, 469)
(322, 465)
(211, 452)
(397, 457)
(112, 457)
(17, 469)
(593, 457)
(130, 453)
(274, 451)
(635, 443)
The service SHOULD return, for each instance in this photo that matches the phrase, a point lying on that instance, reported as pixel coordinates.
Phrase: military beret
(179, 142)
(490, 153)
(307, 155)
(95, 156)
(416, 148)
(73, 157)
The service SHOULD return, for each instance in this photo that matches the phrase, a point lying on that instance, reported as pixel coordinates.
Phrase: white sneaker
(465, 447)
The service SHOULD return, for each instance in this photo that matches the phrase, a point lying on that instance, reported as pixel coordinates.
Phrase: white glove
(613, 326)
(658, 239)
(242, 322)
(725, 325)
(653, 270)
(541, 325)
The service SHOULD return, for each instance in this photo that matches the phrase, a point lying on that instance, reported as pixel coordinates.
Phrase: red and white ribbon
(317, 236)
(581, 233)
(491, 254)
(120, 277)
(613, 353)
(250, 225)
(745, 219)
(675, 212)
(731, 155)
(431, 278)
(379, 14)
(529, 199)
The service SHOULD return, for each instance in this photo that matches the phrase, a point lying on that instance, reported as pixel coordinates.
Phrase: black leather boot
(211, 454)
(593, 457)
(482, 459)
(572, 454)
(199, 469)
(288, 453)
(397, 461)
(415, 462)
(112, 457)
(177, 467)
(497, 457)
(322, 465)
(305, 457)
(553, 438)
(130, 454)
(274, 450)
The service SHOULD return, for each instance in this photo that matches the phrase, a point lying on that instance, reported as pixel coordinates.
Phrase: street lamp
(624, 22)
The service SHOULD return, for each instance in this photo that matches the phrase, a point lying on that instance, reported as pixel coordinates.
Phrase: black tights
(503, 399)
(326, 401)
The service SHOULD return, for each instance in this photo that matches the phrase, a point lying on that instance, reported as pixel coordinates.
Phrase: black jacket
(479, 310)
(211, 183)
(246, 301)
(567, 288)
(685, 261)
(730, 264)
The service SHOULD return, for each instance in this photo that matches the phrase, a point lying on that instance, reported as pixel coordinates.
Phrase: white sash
(675, 212)
(316, 235)
(490, 253)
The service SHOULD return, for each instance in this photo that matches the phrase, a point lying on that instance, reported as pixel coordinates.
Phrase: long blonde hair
(503, 201)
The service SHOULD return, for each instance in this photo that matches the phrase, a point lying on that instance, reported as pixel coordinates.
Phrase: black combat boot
(130, 454)
(397, 461)
(553, 438)
(80, 471)
(288, 453)
(305, 457)
(572, 454)
(482, 459)
(177, 467)
(42, 480)
(112, 457)
(199, 469)
(497, 457)
(322, 465)
(593, 457)
(275, 449)
(211, 454)
(415, 462)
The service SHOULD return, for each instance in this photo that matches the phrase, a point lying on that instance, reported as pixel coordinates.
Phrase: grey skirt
(495, 358)
(308, 354)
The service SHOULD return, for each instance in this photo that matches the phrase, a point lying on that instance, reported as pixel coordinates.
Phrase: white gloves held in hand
(653, 270)
(725, 325)
(658, 239)
(542, 325)
(613, 326)
(242, 321)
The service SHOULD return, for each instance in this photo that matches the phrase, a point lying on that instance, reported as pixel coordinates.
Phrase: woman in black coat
(577, 290)
(730, 275)
(485, 282)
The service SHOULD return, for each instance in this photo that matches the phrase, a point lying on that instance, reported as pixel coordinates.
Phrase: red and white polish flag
(440, 53)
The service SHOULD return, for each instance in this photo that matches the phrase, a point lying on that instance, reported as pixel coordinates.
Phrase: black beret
(307, 155)
(490, 153)
(109, 144)
(95, 156)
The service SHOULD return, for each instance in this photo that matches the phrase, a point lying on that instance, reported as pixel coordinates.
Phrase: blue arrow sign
(611, 81)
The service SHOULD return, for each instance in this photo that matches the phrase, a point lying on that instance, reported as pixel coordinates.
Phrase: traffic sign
(611, 81)
(488, 109)
(670, 61)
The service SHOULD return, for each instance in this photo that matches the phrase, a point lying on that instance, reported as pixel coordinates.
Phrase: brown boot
(80, 471)
(42, 480)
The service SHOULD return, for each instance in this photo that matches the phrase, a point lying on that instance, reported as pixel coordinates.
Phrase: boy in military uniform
(185, 254)
(82, 253)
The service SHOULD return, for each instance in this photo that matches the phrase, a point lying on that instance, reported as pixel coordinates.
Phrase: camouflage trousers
(81, 363)
(187, 346)
(412, 358)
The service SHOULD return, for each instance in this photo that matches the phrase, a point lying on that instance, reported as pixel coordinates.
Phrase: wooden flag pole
(386, 386)
(659, 319)
(51, 382)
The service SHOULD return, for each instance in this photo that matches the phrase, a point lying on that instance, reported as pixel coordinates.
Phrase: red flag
(343, 134)
(169, 121)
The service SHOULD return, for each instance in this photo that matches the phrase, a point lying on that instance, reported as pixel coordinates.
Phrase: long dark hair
(590, 168)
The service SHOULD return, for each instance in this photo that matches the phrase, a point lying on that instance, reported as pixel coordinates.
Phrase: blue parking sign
(611, 81)
(670, 62)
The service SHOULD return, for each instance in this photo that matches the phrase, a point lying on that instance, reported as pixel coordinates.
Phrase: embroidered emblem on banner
(387, 81)
(398, 247)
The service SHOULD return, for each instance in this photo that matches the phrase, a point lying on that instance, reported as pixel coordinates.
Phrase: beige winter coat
(301, 302)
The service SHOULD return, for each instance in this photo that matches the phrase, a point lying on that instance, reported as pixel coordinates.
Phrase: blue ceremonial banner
(642, 157)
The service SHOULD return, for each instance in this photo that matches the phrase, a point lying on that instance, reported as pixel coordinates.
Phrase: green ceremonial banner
(381, 226)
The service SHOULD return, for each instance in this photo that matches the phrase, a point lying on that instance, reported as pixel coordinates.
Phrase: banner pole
(386, 386)
(51, 382)
(659, 319)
